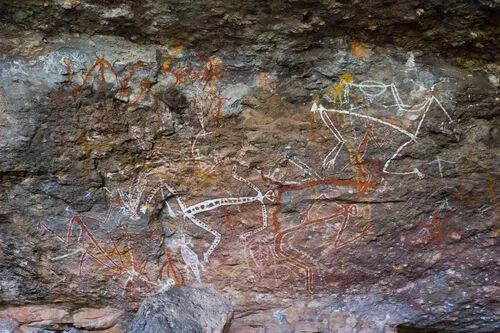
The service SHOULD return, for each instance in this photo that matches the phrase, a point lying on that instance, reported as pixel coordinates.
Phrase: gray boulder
(184, 309)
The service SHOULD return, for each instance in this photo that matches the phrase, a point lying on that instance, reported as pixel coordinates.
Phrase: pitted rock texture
(324, 181)
(184, 309)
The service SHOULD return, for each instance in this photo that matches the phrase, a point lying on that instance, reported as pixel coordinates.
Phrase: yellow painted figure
(339, 88)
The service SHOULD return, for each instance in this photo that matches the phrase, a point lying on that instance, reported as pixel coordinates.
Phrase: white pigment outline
(425, 105)
(190, 212)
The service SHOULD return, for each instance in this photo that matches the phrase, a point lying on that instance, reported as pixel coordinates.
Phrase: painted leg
(211, 230)
(264, 225)
(415, 170)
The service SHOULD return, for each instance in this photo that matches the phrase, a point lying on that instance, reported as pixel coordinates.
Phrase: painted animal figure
(191, 212)
(373, 90)
(342, 211)
(116, 252)
(85, 231)
(368, 178)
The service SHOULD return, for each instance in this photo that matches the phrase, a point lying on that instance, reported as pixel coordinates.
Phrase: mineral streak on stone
(333, 166)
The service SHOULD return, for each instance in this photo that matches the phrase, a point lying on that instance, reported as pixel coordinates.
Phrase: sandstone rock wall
(338, 184)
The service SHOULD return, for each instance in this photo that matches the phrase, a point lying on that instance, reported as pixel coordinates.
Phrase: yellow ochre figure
(339, 88)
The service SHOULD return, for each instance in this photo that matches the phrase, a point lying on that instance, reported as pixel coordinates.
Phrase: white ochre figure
(191, 212)
(371, 90)
(189, 257)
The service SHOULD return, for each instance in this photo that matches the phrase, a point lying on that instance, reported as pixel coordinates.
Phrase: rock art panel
(319, 196)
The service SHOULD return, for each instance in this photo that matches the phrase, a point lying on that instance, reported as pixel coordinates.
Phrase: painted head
(146, 84)
(346, 78)
(353, 210)
(184, 240)
(269, 195)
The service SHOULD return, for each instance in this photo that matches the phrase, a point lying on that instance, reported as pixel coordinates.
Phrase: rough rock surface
(97, 319)
(184, 309)
(462, 30)
(332, 166)
(36, 318)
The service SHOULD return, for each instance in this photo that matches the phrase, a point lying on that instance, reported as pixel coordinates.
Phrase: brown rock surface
(38, 315)
(97, 319)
